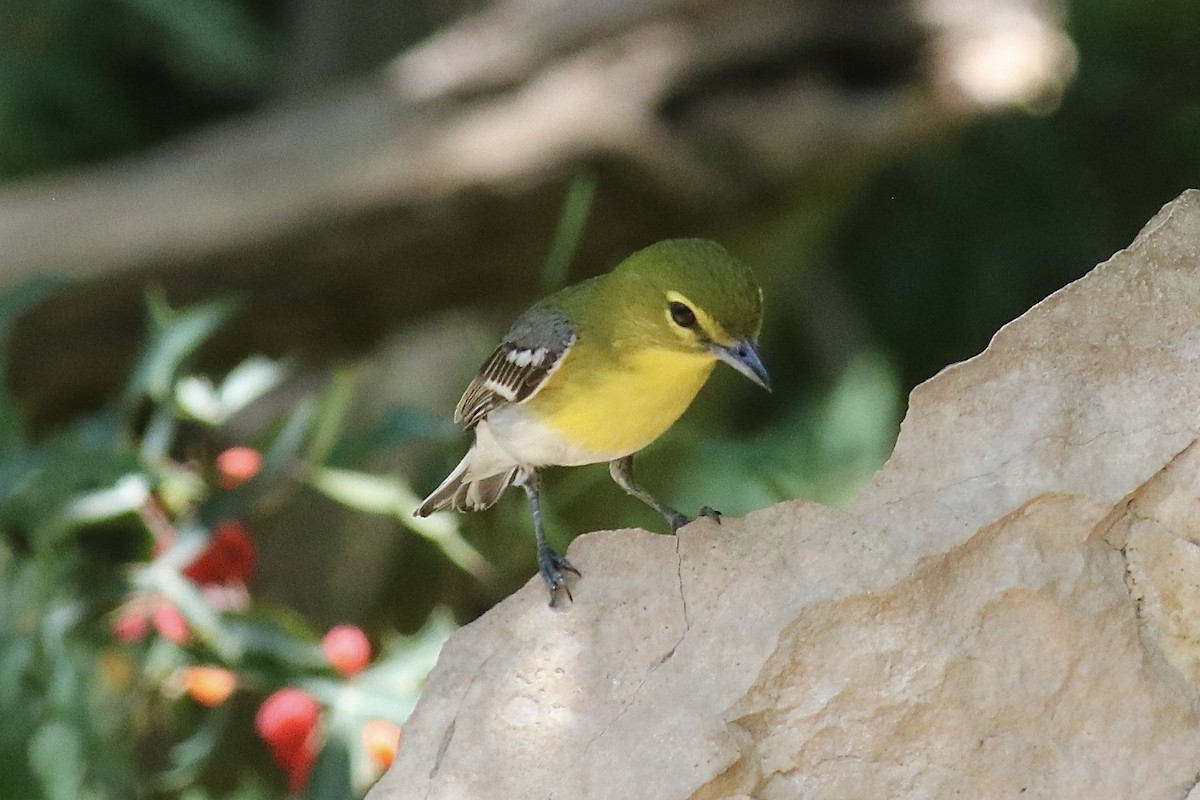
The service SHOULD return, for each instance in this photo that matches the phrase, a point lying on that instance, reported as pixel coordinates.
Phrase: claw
(678, 520)
(552, 566)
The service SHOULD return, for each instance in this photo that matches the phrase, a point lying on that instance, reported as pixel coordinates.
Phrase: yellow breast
(620, 408)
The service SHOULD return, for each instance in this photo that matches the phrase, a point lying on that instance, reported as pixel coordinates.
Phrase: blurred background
(253, 251)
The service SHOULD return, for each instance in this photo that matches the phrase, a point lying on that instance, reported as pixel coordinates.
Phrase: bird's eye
(684, 317)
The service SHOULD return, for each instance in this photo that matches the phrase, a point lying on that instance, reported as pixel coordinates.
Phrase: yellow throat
(621, 408)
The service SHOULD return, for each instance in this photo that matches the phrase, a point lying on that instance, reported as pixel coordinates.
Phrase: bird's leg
(550, 564)
(622, 472)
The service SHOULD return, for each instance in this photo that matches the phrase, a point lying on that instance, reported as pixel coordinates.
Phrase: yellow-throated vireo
(597, 371)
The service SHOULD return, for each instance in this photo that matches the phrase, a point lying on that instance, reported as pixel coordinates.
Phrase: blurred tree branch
(337, 216)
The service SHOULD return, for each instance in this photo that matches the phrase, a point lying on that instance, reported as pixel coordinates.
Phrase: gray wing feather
(532, 350)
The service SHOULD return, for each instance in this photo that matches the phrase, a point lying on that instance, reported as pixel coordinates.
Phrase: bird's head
(692, 295)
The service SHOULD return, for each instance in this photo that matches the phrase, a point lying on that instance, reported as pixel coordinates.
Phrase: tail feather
(443, 496)
(483, 493)
(463, 493)
(478, 481)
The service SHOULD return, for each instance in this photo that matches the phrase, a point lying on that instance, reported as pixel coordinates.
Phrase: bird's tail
(463, 491)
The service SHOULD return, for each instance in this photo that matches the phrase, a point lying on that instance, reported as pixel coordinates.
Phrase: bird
(598, 370)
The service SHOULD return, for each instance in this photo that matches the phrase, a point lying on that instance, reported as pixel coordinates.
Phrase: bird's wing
(531, 351)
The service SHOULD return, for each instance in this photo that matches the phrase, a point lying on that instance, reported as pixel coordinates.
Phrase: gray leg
(622, 472)
(550, 564)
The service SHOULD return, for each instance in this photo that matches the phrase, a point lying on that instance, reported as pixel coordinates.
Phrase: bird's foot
(552, 566)
(677, 520)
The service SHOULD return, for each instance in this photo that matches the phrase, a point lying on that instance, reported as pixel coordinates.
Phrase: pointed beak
(743, 357)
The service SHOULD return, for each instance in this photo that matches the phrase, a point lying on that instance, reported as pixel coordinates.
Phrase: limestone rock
(1009, 609)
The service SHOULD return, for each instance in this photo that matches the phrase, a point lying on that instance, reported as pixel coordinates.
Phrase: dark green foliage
(947, 245)
(84, 79)
(102, 523)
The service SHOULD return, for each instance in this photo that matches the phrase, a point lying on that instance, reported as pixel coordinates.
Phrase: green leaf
(571, 221)
(247, 382)
(158, 435)
(398, 426)
(388, 690)
(18, 299)
(251, 787)
(55, 755)
(280, 462)
(202, 619)
(125, 496)
(188, 756)
(174, 336)
(404, 663)
(44, 485)
(330, 777)
(17, 657)
(364, 492)
(285, 448)
(198, 398)
(13, 303)
(375, 495)
(213, 43)
(334, 405)
(280, 645)
(826, 450)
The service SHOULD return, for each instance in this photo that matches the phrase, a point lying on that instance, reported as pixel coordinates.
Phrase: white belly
(533, 444)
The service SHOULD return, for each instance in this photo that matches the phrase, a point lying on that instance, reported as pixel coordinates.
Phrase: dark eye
(684, 317)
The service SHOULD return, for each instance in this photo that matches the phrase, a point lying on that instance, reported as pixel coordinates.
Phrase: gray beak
(743, 357)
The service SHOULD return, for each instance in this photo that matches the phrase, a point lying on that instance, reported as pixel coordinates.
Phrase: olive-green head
(692, 295)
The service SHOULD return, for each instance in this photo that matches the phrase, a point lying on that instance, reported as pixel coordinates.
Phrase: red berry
(347, 649)
(169, 623)
(285, 720)
(237, 465)
(229, 557)
(130, 624)
(298, 764)
(381, 739)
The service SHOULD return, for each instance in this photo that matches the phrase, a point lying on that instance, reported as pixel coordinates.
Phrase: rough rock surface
(1010, 609)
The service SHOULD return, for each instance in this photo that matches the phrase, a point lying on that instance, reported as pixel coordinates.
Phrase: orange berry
(169, 623)
(381, 739)
(285, 720)
(237, 465)
(347, 649)
(209, 686)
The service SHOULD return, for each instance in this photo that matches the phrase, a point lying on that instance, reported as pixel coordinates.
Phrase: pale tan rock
(1006, 611)
(1158, 530)
(1009, 667)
